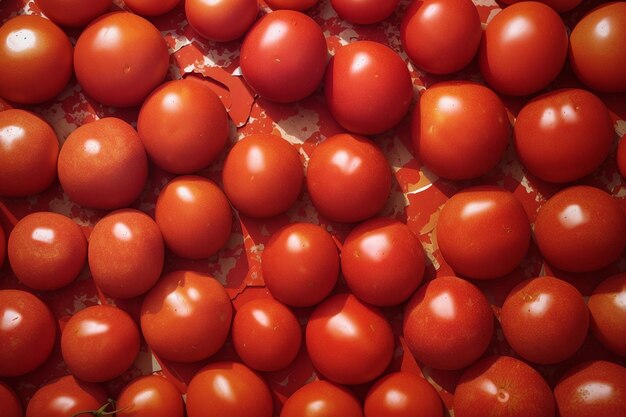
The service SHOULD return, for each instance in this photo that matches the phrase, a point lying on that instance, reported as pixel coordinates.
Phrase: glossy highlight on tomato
(607, 306)
(74, 13)
(221, 20)
(403, 394)
(150, 396)
(322, 399)
(66, 396)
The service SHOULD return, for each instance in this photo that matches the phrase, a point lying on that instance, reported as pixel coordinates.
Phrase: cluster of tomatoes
(361, 294)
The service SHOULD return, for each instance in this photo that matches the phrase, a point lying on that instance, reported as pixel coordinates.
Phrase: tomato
(221, 20)
(47, 251)
(120, 58)
(364, 12)
(150, 396)
(126, 253)
(183, 125)
(66, 396)
(441, 37)
(457, 318)
(502, 386)
(545, 320)
(596, 52)
(483, 232)
(299, 5)
(28, 153)
(11, 406)
(382, 261)
(581, 229)
(621, 156)
(348, 341)
(460, 129)
(300, 264)
(403, 394)
(607, 306)
(73, 13)
(592, 389)
(348, 178)
(266, 335)
(186, 316)
(99, 343)
(263, 175)
(560, 6)
(372, 74)
(3, 245)
(228, 389)
(36, 59)
(322, 399)
(27, 332)
(523, 48)
(151, 7)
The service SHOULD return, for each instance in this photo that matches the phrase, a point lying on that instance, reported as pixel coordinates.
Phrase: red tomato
(3, 245)
(373, 75)
(597, 52)
(186, 316)
(36, 59)
(460, 129)
(523, 48)
(560, 6)
(221, 20)
(607, 306)
(483, 232)
(194, 216)
(592, 389)
(349, 342)
(27, 332)
(150, 396)
(621, 156)
(66, 396)
(11, 406)
(501, 386)
(151, 7)
(299, 5)
(183, 125)
(133, 240)
(47, 251)
(403, 394)
(545, 320)
(263, 175)
(364, 12)
(120, 58)
(228, 389)
(28, 153)
(348, 178)
(382, 261)
(300, 264)
(581, 229)
(441, 37)
(99, 343)
(322, 399)
(73, 13)
(266, 335)
(457, 319)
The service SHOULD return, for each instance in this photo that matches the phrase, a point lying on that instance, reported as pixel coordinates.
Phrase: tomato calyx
(102, 411)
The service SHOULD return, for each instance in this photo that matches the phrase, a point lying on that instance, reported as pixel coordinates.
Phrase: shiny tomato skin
(348, 341)
(523, 48)
(194, 216)
(150, 396)
(47, 251)
(460, 129)
(560, 6)
(36, 59)
(221, 20)
(621, 156)
(299, 5)
(151, 8)
(73, 13)
(66, 396)
(120, 58)
(11, 406)
(607, 306)
(364, 12)
(322, 399)
(580, 229)
(457, 318)
(27, 332)
(28, 154)
(373, 74)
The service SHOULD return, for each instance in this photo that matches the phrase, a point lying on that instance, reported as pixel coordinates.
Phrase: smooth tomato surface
(3, 245)
(299, 5)
(221, 20)
(150, 7)
(403, 394)
(11, 406)
(150, 396)
(559, 6)
(607, 306)
(364, 12)
(66, 396)
(621, 156)
(322, 399)
(74, 13)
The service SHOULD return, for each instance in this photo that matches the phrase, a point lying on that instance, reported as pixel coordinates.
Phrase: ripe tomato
(186, 316)
(581, 229)
(299, 5)
(502, 386)
(460, 129)
(382, 261)
(300, 264)
(228, 389)
(120, 58)
(596, 53)
(322, 399)
(348, 341)
(27, 332)
(133, 240)
(36, 59)
(194, 216)
(607, 306)
(348, 178)
(28, 153)
(364, 12)
(374, 75)
(483, 232)
(545, 320)
(523, 48)
(3, 245)
(560, 6)
(11, 406)
(221, 20)
(441, 37)
(150, 396)
(73, 13)
(621, 155)
(263, 175)
(183, 125)
(457, 318)
(284, 56)
(99, 343)
(66, 396)
(151, 7)
(47, 250)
